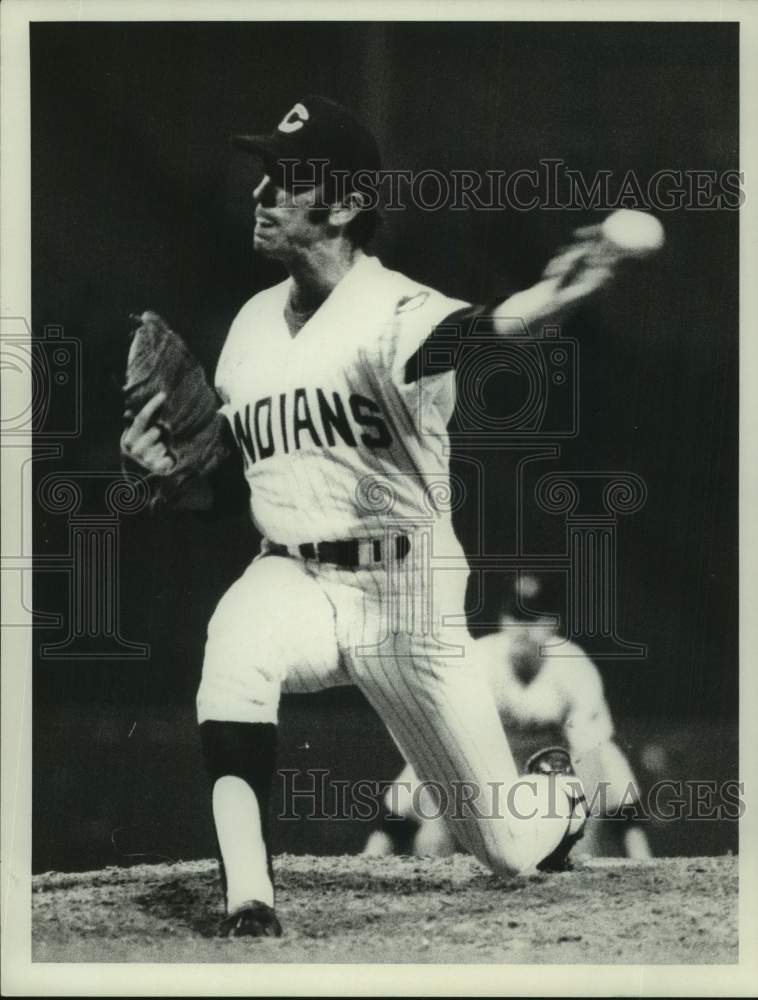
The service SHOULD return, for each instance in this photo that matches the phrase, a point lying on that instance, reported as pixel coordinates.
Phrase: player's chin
(263, 245)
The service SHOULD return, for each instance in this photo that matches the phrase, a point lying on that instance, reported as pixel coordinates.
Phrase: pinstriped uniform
(338, 446)
(564, 700)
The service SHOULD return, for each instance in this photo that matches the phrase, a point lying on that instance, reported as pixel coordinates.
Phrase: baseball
(635, 234)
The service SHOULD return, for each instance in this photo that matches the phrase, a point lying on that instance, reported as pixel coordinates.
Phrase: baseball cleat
(556, 760)
(251, 919)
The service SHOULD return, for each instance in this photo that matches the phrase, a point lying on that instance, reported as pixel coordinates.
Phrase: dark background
(138, 203)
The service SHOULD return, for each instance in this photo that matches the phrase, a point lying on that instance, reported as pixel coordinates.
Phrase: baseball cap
(315, 128)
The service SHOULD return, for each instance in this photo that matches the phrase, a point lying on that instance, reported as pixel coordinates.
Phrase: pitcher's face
(286, 223)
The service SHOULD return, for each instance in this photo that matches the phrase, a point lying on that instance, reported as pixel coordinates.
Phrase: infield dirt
(360, 909)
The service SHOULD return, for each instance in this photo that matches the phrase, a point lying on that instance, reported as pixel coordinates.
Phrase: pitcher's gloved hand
(175, 432)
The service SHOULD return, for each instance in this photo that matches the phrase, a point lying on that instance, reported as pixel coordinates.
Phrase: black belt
(349, 554)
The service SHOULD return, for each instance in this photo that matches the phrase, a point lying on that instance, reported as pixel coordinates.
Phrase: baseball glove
(192, 428)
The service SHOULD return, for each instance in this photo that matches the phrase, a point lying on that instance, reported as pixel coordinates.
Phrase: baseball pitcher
(341, 421)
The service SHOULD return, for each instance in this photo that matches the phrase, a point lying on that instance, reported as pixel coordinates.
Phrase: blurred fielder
(539, 687)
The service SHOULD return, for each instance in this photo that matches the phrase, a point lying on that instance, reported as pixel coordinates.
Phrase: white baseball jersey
(335, 441)
(338, 445)
(566, 692)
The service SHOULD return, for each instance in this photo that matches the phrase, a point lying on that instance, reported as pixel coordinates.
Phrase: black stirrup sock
(245, 750)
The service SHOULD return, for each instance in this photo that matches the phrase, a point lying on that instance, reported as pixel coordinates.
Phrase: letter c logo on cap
(294, 119)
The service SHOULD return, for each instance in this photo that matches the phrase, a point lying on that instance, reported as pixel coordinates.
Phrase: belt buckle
(368, 551)
(378, 548)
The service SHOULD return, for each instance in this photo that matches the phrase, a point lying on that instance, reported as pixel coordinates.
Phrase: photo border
(20, 976)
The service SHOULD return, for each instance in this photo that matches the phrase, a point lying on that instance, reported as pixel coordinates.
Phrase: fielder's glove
(191, 427)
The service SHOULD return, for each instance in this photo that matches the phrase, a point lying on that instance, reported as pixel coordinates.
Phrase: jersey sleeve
(438, 351)
(416, 317)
